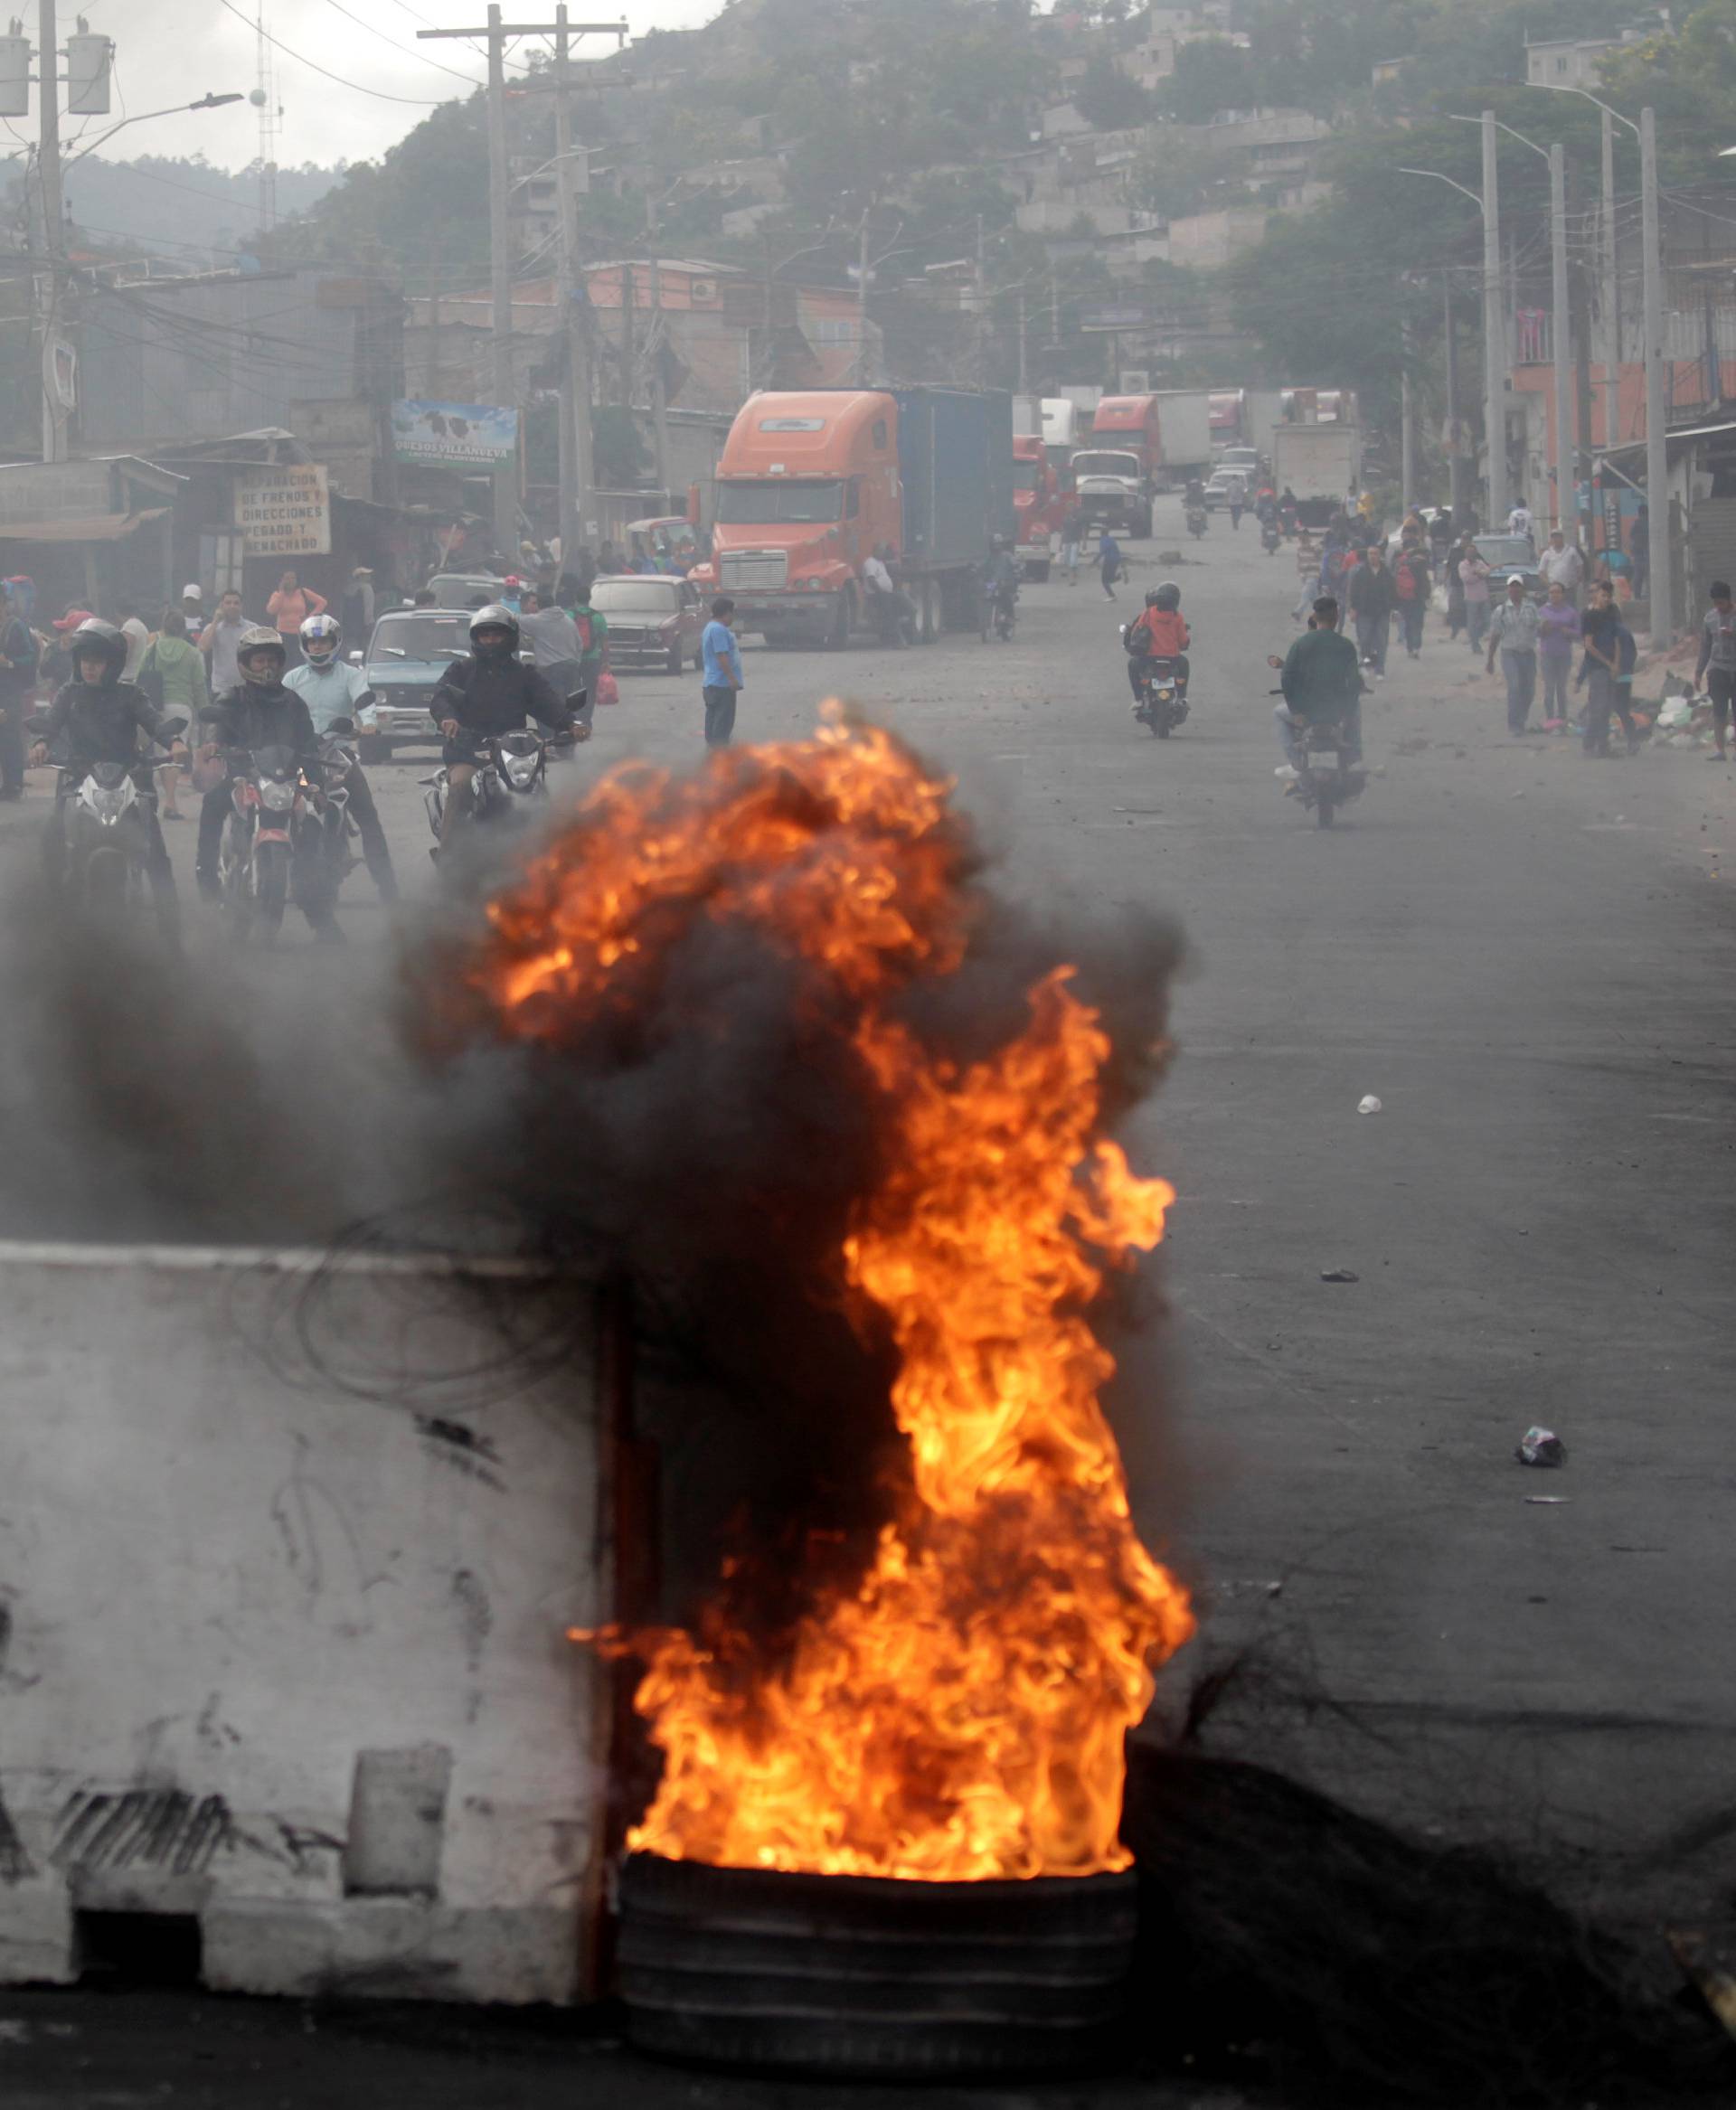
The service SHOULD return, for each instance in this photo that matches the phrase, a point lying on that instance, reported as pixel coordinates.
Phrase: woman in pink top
(290, 607)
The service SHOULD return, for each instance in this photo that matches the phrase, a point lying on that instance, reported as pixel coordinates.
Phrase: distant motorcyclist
(260, 711)
(479, 698)
(333, 689)
(1322, 680)
(1194, 495)
(1000, 577)
(1265, 509)
(1160, 633)
(97, 717)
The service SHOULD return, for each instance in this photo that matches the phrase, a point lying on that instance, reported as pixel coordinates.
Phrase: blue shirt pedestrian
(1108, 559)
(721, 659)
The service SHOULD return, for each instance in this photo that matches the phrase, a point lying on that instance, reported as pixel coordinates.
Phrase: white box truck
(1321, 464)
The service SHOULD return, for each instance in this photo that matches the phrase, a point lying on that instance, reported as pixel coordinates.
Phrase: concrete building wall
(287, 1659)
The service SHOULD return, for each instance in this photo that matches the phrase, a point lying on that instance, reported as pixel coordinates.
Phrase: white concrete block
(226, 1572)
(393, 1948)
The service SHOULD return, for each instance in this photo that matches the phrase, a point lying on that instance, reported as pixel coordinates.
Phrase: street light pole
(1494, 333)
(1657, 408)
(48, 173)
(1566, 449)
(1660, 586)
(1612, 290)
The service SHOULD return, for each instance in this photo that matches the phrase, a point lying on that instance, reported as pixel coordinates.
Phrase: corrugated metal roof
(102, 527)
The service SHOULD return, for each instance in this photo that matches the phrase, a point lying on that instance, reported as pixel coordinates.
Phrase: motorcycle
(104, 811)
(1163, 702)
(1197, 519)
(271, 806)
(1270, 537)
(999, 614)
(1328, 777)
(337, 758)
(512, 775)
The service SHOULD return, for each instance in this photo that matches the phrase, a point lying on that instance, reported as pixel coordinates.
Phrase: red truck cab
(808, 487)
(1039, 504)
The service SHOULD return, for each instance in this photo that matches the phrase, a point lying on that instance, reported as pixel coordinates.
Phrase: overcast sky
(169, 52)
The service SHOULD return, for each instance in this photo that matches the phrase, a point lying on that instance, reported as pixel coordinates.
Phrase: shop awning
(102, 527)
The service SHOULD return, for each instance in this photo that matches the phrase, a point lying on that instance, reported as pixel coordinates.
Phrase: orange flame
(959, 1711)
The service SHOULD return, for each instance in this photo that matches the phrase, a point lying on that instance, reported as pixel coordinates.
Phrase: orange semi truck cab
(812, 482)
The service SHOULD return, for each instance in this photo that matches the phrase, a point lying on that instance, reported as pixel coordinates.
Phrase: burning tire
(854, 1975)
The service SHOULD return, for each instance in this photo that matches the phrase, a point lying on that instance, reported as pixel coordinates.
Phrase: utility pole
(501, 268)
(863, 375)
(1022, 380)
(501, 259)
(1495, 334)
(571, 175)
(654, 353)
(1566, 458)
(1407, 430)
(48, 172)
(1660, 586)
(1457, 496)
(1611, 301)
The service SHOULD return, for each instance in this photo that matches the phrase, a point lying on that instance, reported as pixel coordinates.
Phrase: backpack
(1404, 580)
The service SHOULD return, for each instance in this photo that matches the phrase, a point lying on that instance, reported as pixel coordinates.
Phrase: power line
(405, 49)
(416, 103)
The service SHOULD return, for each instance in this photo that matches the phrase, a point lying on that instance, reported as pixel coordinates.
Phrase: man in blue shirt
(1109, 563)
(722, 658)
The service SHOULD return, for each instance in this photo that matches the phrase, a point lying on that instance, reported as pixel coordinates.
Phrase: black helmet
(1153, 599)
(1167, 596)
(93, 636)
(495, 615)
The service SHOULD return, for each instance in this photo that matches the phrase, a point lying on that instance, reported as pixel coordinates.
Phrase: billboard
(454, 435)
(284, 511)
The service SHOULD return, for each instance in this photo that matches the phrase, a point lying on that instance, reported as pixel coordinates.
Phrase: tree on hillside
(1108, 99)
(1211, 75)
(1690, 81)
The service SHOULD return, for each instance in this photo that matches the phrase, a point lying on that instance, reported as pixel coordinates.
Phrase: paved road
(1529, 958)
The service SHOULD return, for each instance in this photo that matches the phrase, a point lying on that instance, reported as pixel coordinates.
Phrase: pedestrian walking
(1073, 533)
(1455, 588)
(1413, 583)
(1600, 675)
(1558, 632)
(1371, 602)
(1514, 632)
(193, 609)
(1238, 500)
(1473, 583)
(558, 649)
(1639, 551)
(1109, 563)
(137, 632)
(218, 640)
(1561, 565)
(172, 674)
(287, 610)
(359, 606)
(1716, 667)
(17, 678)
(722, 677)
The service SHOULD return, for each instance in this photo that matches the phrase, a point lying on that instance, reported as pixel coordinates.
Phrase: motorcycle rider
(1322, 680)
(1194, 495)
(97, 717)
(332, 688)
(1000, 577)
(1160, 633)
(483, 696)
(262, 711)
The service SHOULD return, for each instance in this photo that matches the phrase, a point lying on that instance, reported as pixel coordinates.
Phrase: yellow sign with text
(284, 511)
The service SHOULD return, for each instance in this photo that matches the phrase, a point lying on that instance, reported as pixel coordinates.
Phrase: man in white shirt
(1561, 565)
(893, 611)
(1519, 521)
